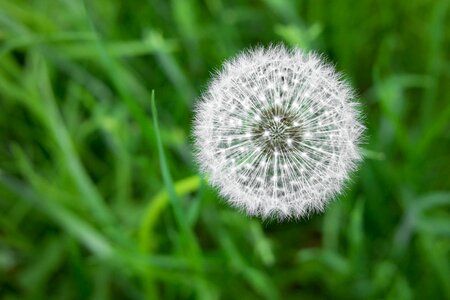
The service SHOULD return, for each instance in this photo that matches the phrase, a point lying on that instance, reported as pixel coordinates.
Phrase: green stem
(157, 204)
(154, 208)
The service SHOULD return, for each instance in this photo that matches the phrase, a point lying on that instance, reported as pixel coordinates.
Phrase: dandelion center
(277, 130)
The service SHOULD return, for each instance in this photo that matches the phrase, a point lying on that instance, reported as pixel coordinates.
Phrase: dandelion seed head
(278, 132)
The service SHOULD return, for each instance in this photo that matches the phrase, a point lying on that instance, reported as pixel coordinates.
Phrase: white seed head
(277, 132)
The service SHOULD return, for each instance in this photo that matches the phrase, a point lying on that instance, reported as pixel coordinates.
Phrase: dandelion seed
(292, 134)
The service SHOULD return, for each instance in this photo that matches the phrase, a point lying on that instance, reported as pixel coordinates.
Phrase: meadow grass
(100, 197)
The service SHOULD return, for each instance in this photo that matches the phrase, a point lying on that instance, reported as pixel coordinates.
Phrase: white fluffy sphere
(277, 132)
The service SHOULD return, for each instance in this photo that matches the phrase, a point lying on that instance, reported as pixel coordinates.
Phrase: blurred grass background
(99, 199)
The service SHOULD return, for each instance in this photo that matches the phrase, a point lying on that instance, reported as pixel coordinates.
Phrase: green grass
(99, 193)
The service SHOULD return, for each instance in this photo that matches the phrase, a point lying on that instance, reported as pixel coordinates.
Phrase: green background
(91, 209)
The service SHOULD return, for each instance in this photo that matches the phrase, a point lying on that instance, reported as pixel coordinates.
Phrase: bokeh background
(99, 199)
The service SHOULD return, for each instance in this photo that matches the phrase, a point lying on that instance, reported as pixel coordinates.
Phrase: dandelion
(277, 132)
